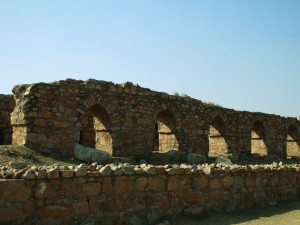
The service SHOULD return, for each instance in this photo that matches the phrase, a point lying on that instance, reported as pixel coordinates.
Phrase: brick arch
(264, 121)
(165, 130)
(258, 138)
(217, 113)
(92, 100)
(293, 140)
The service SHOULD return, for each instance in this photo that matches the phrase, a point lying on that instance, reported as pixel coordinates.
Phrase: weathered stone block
(215, 183)
(227, 181)
(141, 183)
(157, 184)
(107, 185)
(193, 197)
(45, 190)
(9, 214)
(91, 189)
(16, 191)
(52, 211)
(199, 183)
(122, 185)
(81, 208)
(177, 183)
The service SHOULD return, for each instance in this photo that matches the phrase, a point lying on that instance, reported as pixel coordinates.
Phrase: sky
(241, 54)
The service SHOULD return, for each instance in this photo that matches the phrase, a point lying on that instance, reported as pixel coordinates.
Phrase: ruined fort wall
(132, 120)
(60, 195)
(7, 104)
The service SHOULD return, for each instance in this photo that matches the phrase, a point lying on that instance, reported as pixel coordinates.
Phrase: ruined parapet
(126, 119)
(7, 104)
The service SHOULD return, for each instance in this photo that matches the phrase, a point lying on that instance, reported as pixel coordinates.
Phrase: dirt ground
(283, 213)
(17, 153)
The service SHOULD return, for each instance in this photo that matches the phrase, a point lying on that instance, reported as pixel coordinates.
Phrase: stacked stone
(94, 170)
(137, 194)
(54, 117)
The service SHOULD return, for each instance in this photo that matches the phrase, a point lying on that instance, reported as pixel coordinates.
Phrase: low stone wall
(136, 194)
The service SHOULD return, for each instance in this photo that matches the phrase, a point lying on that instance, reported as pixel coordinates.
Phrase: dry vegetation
(21, 154)
(29, 157)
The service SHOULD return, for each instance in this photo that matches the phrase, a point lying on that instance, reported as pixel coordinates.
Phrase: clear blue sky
(242, 54)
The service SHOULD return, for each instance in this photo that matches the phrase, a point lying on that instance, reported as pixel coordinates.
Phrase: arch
(258, 139)
(96, 131)
(165, 135)
(292, 143)
(217, 138)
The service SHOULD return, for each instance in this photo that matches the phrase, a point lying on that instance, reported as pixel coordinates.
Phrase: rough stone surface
(106, 170)
(142, 198)
(126, 120)
(223, 160)
(90, 154)
(193, 158)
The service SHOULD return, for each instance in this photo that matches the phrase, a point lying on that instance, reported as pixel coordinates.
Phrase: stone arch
(293, 143)
(258, 139)
(165, 131)
(220, 114)
(102, 125)
(217, 138)
(96, 124)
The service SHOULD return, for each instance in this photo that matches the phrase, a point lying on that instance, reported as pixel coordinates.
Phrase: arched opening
(87, 135)
(217, 135)
(96, 131)
(165, 132)
(292, 144)
(258, 138)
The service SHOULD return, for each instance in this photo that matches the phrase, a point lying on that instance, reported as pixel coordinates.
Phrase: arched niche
(217, 138)
(165, 132)
(96, 131)
(293, 144)
(258, 139)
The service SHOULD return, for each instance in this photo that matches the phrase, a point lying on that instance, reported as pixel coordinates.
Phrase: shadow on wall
(258, 139)
(218, 144)
(165, 136)
(293, 143)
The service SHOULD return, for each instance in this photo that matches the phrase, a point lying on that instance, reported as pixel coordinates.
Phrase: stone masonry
(126, 119)
(110, 195)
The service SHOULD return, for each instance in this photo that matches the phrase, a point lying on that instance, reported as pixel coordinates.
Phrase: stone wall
(126, 119)
(7, 104)
(137, 194)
